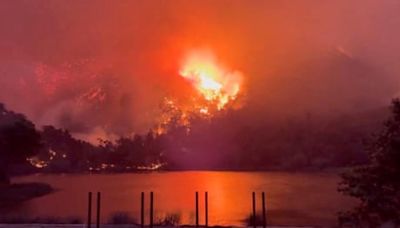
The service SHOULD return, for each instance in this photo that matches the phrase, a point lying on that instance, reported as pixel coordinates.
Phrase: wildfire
(210, 78)
(217, 88)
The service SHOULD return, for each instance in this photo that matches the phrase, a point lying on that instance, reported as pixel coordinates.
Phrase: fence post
(263, 210)
(89, 218)
(197, 209)
(254, 210)
(206, 207)
(151, 209)
(98, 209)
(142, 210)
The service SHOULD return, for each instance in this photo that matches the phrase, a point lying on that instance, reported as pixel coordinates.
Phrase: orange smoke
(210, 78)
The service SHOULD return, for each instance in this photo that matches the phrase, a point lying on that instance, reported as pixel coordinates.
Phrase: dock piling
(151, 209)
(254, 218)
(98, 210)
(264, 210)
(206, 208)
(142, 210)
(197, 209)
(89, 218)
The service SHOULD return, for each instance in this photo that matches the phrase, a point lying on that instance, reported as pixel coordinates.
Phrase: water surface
(292, 198)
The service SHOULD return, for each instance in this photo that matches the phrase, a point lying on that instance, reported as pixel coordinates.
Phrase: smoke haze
(102, 68)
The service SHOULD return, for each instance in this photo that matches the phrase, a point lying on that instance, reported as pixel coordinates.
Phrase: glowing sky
(104, 66)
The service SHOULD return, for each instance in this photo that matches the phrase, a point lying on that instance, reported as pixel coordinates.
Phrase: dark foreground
(19, 193)
(112, 226)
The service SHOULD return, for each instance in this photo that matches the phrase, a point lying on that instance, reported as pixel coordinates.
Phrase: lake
(292, 198)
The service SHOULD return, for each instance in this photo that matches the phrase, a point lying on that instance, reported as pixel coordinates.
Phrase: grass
(172, 219)
(39, 220)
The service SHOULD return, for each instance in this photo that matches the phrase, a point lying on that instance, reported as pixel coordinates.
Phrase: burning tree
(377, 185)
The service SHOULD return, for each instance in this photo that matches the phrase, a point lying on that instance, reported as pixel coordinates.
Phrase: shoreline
(306, 171)
(24, 191)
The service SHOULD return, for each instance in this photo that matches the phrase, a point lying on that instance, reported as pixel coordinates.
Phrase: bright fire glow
(210, 78)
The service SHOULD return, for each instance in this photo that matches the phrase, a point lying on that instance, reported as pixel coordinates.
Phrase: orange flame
(210, 78)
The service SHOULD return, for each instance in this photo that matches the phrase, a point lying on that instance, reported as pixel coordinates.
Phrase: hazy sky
(104, 66)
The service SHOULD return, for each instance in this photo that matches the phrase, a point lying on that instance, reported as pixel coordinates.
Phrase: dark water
(292, 198)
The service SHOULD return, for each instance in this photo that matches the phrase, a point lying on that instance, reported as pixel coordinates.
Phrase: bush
(121, 218)
(173, 219)
(249, 220)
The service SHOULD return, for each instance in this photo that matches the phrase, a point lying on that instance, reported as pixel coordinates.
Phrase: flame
(217, 88)
(210, 78)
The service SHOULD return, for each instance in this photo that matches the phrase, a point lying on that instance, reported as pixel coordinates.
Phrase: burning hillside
(210, 78)
(216, 88)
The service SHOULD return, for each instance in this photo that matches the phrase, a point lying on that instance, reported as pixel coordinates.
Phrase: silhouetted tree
(377, 185)
(68, 153)
(18, 140)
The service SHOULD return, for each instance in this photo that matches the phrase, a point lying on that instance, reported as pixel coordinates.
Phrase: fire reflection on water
(292, 198)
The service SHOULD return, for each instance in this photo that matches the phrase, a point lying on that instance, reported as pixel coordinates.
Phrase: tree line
(225, 141)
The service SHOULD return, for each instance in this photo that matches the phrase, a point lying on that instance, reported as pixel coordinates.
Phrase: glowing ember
(212, 80)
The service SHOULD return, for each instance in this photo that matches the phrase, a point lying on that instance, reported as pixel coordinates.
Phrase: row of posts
(205, 206)
(89, 222)
(142, 212)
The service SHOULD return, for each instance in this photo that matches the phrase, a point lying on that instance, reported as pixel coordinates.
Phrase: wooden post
(142, 210)
(263, 210)
(197, 209)
(98, 209)
(151, 209)
(254, 210)
(206, 207)
(89, 218)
